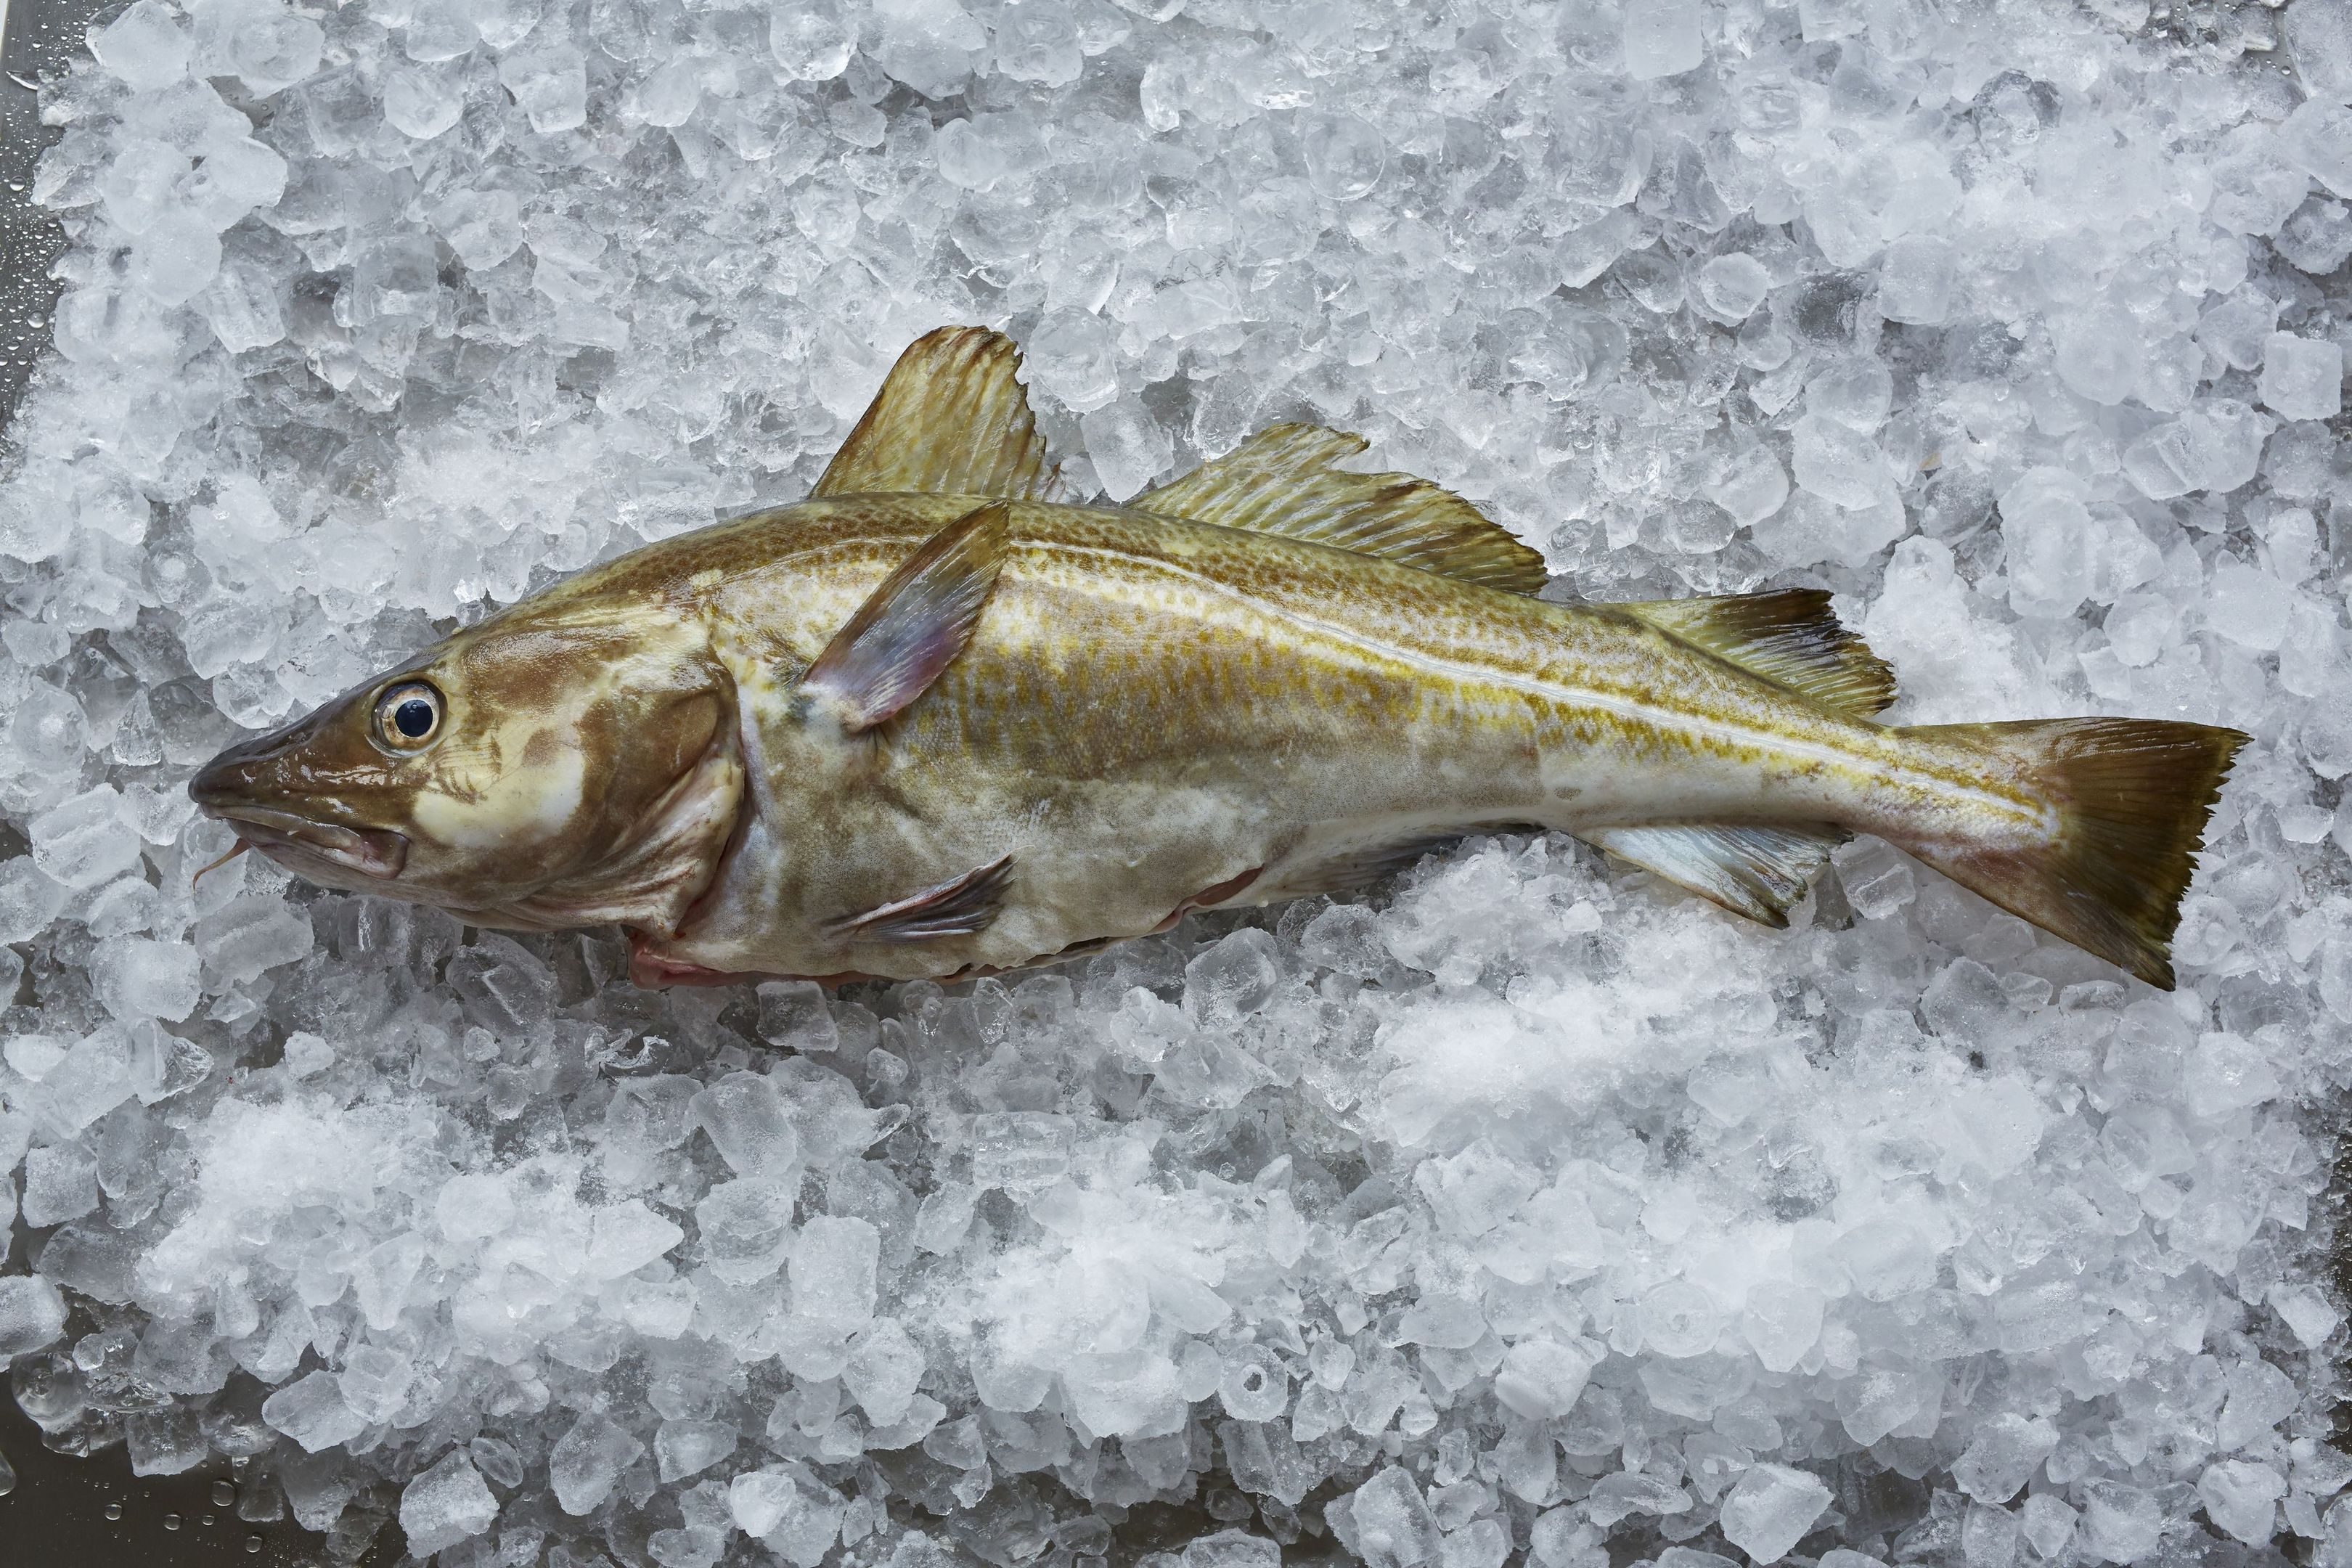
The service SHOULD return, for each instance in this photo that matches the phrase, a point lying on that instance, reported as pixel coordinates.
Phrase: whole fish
(930, 723)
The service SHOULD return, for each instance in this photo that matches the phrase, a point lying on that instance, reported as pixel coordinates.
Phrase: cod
(930, 723)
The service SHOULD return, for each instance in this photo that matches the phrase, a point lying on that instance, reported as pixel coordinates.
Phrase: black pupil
(414, 719)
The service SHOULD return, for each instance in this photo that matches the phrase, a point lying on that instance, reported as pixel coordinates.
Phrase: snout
(249, 787)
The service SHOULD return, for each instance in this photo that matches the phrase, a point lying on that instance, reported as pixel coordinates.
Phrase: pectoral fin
(913, 625)
(963, 906)
(1756, 871)
(950, 420)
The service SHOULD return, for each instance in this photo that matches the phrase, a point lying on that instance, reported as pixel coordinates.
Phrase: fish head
(553, 766)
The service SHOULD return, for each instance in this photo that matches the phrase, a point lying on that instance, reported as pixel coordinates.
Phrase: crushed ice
(1523, 1210)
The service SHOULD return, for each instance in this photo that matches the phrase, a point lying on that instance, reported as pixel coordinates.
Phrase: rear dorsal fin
(1752, 870)
(950, 420)
(1281, 481)
(1790, 637)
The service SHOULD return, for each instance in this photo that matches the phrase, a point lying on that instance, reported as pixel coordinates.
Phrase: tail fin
(2135, 796)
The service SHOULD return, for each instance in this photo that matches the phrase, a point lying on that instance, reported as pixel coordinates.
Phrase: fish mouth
(301, 845)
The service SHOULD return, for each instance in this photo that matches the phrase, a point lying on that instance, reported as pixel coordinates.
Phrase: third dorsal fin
(1792, 638)
(1281, 480)
(950, 420)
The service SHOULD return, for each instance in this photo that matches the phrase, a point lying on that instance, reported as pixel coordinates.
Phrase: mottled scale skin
(1152, 710)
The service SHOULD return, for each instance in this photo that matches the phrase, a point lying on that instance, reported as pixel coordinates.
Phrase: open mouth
(293, 840)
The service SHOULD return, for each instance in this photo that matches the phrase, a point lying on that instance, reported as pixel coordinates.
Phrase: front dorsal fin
(913, 625)
(1756, 871)
(1281, 480)
(1792, 638)
(950, 420)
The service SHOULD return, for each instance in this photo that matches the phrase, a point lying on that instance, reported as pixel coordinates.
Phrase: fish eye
(408, 716)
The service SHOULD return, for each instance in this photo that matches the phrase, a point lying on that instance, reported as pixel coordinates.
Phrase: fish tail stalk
(2131, 798)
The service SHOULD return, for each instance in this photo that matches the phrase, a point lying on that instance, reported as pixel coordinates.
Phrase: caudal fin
(2133, 796)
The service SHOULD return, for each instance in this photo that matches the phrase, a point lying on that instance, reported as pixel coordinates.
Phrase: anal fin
(1750, 870)
(961, 906)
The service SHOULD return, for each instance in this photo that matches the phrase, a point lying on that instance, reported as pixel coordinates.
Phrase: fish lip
(375, 852)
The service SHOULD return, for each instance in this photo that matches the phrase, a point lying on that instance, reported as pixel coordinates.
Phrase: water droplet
(224, 1494)
(171, 1522)
(114, 1510)
(252, 1543)
(206, 1519)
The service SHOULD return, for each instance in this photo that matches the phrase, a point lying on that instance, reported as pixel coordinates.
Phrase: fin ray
(1281, 480)
(1752, 870)
(1790, 637)
(961, 906)
(950, 420)
(911, 627)
(2134, 795)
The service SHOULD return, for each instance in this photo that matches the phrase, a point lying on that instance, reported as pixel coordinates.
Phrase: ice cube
(2307, 1311)
(795, 1016)
(176, 258)
(1770, 1508)
(1232, 979)
(32, 1314)
(2260, 1396)
(2302, 378)
(136, 977)
(2002, 1457)
(2099, 352)
(626, 1237)
(1917, 276)
(2047, 1523)
(446, 1504)
(587, 1461)
(2241, 1498)
(1838, 464)
(2120, 1521)
(382, 1276)
(1253, 1384)
(885, 1367)
(1392, 1525)
(376, 1380)
(551, 86)
(1126, 445)
(60, 1184)
(684, 1449)
(144, 45)
(809, 43)
(747, 1123)
(1782, 1323)
(46, 734)
(788, 1511)
(1662, 38)
(746, 1228)
(312, 1411)
(89, 839)
(1239, 1549)
(2319, 38)
(832, 1271)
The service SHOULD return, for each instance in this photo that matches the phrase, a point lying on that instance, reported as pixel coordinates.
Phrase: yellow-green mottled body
(926, 723)
(1153, 707)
